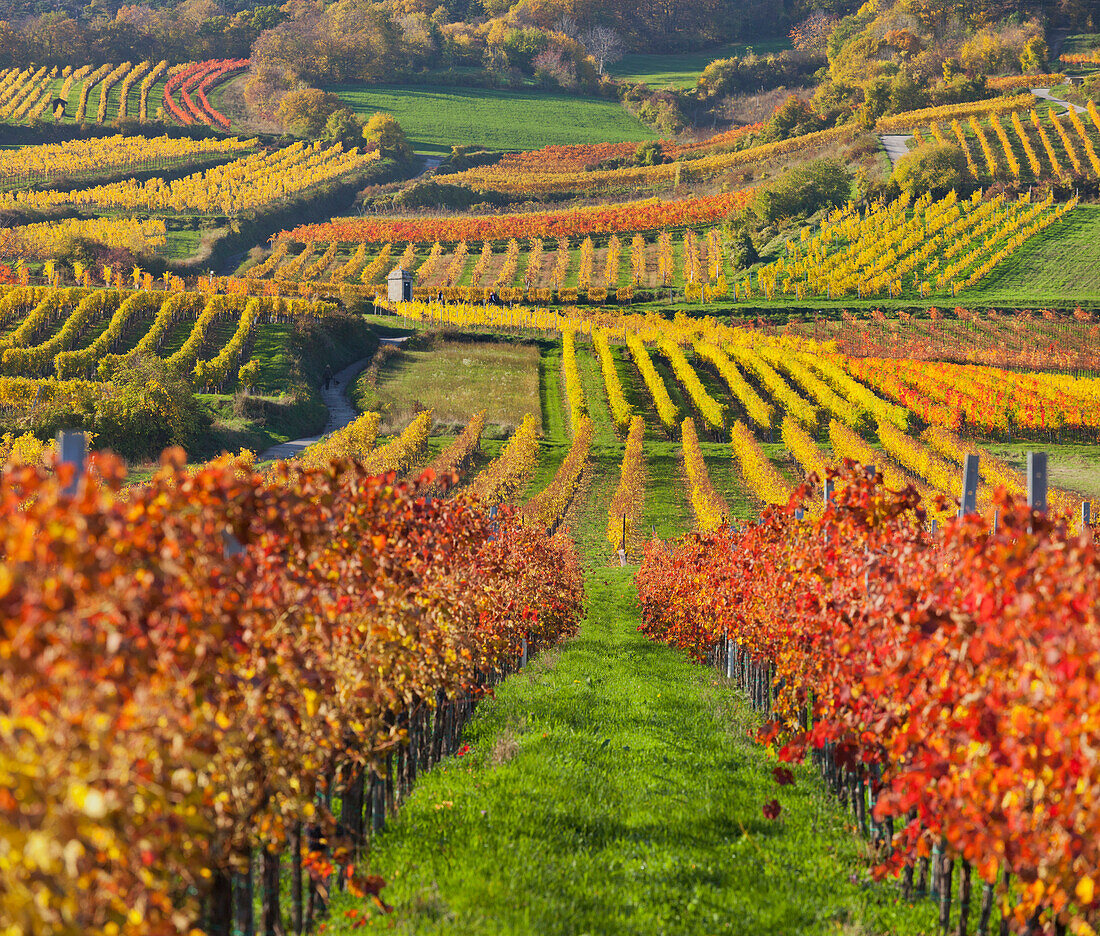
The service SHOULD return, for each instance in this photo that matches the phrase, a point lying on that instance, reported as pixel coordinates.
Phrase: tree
(521, 46)
(740, 247)
(383, 131)
(604, 45)
(306, 112)
(823, 183)
(812, 34)
(649, 154)
(793, 117)
(344, 126)
(935, 167)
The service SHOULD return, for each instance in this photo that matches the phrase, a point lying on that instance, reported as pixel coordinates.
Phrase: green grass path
(611, 788)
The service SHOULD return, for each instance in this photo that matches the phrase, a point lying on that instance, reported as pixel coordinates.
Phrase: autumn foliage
(171, 702)
(197, 79)
(957, 674)
(625, 216)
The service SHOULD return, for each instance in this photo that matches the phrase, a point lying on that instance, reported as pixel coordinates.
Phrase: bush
(793, 117)
(649, 154)
(464, 157)
(344, 126)
(823, 183)
(935, 167)
(521, 46)
(144, 409)
(741, 249)
(658, 109)
(384, 132)
(755, 73)
(428, 193)
(306, 112)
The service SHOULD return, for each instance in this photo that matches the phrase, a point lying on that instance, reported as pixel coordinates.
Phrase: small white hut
(400, 285)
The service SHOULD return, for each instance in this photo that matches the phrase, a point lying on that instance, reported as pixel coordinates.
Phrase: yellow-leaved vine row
(401, 453)
(804, 449)
(758, 411)
(620, 409)
(355, 440)
(549, 506)
(708, 505)
(666, 409)
(709, 408)
(574, 395)
(507, 475)
(624, 514)
(456, 457)
(761, 477)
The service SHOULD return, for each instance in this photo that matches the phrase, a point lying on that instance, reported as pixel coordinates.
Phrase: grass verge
(682, 70)
(611, 788)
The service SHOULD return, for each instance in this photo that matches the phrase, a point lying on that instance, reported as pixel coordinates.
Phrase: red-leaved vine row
(954, 678)
(200, 77)
(203, 671)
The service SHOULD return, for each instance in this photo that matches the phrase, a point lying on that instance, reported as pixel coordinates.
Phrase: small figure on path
(327, 378)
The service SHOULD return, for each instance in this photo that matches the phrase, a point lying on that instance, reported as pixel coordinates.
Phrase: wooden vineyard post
(71, 449)
(1037, 481)
(220, 907)
(1086, 515)
(271, 916)
(242, 899)
(296, 907)
(523, 652)
(378, 802)
(1003, 929)
(622, 545)
(946, 868)
(964, 896)
(970, 486)
(827, 492)
(986, 910)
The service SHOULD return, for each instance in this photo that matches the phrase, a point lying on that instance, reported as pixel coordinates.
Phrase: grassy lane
(671, 70)
(667, 508)
(556, 436)
(588, 524)
(611, 789)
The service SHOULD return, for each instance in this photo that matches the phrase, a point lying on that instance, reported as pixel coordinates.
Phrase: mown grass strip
(610, 788)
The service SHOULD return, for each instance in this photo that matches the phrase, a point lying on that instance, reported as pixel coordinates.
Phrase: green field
(437, 118)
(682, 70)
(1081, 42)
(456, 380)
(1058, 265)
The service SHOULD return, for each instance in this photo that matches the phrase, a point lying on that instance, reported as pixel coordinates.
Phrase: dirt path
(1045, 95)
(341, 410)
(896, 145)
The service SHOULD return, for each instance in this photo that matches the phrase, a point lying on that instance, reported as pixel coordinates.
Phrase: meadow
(455, 380)
(435, 119)
(682, 70)
(1058, 263)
